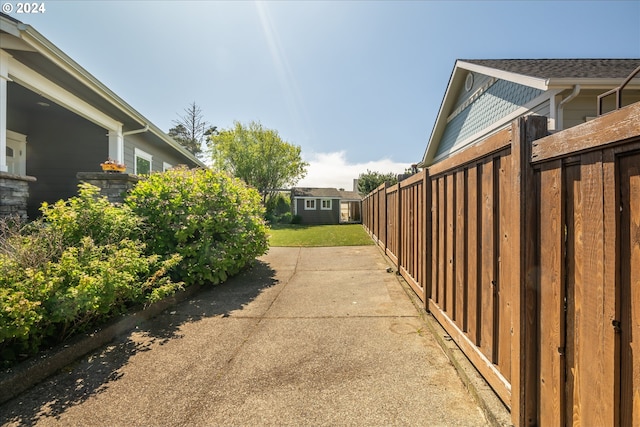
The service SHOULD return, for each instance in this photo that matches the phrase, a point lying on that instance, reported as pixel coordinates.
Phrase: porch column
(4, 78)
(116, 145)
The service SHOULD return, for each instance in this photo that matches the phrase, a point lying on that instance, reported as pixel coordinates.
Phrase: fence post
(428, 238)
(399, 228)
(524, 400)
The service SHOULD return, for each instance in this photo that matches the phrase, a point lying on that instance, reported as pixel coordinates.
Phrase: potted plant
(112, 166)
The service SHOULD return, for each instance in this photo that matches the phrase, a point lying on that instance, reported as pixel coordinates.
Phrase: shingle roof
(327, 193)
(350, 195)
(563, 68)
(330, 193)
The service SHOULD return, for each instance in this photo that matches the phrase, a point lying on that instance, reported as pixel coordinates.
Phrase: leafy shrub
(213, 221)
(285, 218)
(90, 215)
(296, 219)
(73, 268)
(278, 204)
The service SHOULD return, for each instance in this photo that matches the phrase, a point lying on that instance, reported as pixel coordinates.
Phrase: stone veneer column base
(14, 193)
(112, 185)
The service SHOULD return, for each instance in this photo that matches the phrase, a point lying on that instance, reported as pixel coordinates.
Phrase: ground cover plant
(318, 235)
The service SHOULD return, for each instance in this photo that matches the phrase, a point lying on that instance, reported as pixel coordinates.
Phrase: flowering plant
(112, 166)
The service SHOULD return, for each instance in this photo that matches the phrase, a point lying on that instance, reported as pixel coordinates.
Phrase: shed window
(143, 162)
(326, 204)
(309, 204)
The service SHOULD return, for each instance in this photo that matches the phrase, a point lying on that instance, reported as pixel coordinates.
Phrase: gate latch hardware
(616, 326)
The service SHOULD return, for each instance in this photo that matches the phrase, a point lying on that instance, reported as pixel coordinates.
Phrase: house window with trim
(309, 204)
(143, 162)
(325, 204)
(166, 166)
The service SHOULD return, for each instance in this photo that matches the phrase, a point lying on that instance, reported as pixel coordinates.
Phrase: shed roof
(327, 193)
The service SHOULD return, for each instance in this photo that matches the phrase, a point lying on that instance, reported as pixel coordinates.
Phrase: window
(143, 162)
(16, 153)
(166, 166)
(326, 205)
(309, 204)
(468, 83)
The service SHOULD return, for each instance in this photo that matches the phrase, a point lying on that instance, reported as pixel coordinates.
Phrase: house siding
(55, 155)
(496, 102)
(584, 105)
(479, 80)
(318, 215)
(159, 155)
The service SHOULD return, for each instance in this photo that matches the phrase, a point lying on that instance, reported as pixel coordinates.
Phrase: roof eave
(455, 81)
(44, 47)
(590, 83)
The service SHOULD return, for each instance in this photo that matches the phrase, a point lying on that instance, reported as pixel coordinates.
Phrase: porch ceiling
(62, 78)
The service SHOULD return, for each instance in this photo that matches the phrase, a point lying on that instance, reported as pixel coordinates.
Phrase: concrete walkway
(311, 336)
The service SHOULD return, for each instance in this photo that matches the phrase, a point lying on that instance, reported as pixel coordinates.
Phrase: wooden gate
(589, 280)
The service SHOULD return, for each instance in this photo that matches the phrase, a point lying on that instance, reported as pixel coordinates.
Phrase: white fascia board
(9, 26)
(47, 49)
(28, 78)
(522, 79)
(592, 83)
(174, 144)
(441, 118)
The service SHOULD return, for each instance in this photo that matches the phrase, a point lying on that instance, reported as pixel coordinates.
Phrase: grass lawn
(319, 235)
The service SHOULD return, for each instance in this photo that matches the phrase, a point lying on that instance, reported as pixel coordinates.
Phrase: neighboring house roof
(350, 195)
(324, 193)
(89, 98)
(562, 68)
(544, 77)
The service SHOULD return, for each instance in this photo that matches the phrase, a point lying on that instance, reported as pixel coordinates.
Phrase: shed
(326, 205)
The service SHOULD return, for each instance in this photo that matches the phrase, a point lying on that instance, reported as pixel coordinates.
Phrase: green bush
(71, 269)
(285, 218)
(90, 215)
(213, 221)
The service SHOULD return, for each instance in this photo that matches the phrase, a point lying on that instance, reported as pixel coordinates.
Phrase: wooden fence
(526, 248)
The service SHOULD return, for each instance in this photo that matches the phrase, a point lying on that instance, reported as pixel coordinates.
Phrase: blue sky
(356, 84)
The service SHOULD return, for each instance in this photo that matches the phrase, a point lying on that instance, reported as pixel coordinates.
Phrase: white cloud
(332, 170)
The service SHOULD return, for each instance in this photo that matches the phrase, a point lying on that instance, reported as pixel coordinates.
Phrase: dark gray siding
(319, 216)
(59, 145)
(160, 154)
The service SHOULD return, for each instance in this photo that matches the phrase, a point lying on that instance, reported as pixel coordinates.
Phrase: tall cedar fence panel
(526, 248)
(471, 291)
(589, 258)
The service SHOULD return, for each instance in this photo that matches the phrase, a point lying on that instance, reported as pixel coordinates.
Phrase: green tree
(191, 130)
(369, 181)
(259, 157)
